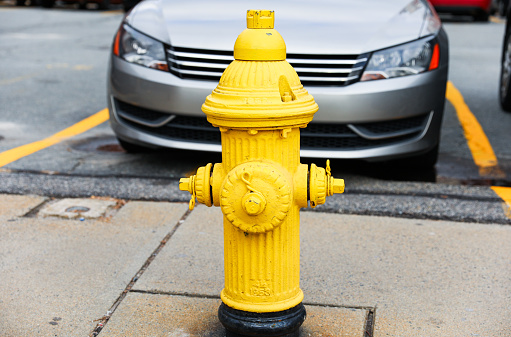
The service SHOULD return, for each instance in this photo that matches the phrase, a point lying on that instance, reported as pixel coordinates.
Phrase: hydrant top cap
(260, 42)
(260, 19)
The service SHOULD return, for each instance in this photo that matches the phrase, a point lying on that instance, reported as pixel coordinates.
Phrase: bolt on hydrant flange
(259, 106)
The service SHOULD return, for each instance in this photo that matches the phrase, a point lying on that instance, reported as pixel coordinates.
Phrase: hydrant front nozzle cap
(260, 42)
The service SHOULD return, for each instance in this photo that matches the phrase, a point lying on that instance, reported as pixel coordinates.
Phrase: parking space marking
(19, 78)
(496, 19)
(88, 123)
(505, 194)
(478, 143)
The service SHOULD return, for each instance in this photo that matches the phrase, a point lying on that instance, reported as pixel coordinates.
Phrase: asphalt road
(53, 74)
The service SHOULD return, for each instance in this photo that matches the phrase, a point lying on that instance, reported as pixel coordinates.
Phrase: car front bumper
(362, 107)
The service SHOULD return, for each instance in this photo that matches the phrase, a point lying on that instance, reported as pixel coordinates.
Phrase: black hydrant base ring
(271, 324)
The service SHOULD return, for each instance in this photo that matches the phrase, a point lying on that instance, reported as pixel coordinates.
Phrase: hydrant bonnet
(259, 89)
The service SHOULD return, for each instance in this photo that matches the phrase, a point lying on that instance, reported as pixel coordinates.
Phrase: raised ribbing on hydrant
(259, 106)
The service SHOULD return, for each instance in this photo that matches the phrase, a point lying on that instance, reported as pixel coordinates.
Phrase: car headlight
(138, 48)
(407, 59)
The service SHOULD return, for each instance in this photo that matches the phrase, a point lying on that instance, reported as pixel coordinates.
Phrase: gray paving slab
(73, 208)
(192, 261)
(58, 276)
(18, 205)
(183, 316)
(426, 278)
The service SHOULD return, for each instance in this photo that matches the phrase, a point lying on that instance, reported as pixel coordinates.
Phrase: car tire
(133, 148)
(20, 2)
(129, 4)
(82, 4)
(503, 4)
(482, 17)
(505, 73)
(47, 3)
(425, 161)
(104, 4)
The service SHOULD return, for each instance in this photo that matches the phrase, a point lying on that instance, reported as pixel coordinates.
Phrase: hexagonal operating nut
(335, 186)
(338, 186)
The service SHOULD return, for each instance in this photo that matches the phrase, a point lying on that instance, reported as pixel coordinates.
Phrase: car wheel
(505, 73)
(82, 4)
(133, 148)
(20, 2)
(47, 3)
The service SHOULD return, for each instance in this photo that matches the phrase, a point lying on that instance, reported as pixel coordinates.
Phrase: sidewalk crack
(104, 320)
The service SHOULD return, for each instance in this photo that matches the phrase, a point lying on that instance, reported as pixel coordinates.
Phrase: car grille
(319, 70)
(317, 136)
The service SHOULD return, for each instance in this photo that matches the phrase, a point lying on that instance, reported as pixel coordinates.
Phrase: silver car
(377, 69)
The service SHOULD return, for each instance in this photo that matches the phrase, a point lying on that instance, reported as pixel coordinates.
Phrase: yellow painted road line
(505, 194)
(496, 19)
(480, 147)
(88, 123)
(113, 12)
(18, 79)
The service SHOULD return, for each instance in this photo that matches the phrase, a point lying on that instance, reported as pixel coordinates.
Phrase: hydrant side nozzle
(188, 184)
(199, 186)
(185, 184)
(322, 184)
(317, 185)
(217, 179)
(203, 185)
(335, 186)
(300, 183)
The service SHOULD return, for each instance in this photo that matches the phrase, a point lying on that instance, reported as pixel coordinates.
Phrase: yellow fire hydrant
(259, 106)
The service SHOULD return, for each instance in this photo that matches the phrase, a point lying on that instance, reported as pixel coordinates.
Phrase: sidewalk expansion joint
(370, 320)
(171, 293)
(327, 305)
(104, 320)
(34, 211)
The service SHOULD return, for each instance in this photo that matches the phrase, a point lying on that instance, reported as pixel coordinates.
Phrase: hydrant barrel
(259, 106)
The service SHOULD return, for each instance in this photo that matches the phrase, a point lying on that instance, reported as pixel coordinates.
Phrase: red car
(479, 9)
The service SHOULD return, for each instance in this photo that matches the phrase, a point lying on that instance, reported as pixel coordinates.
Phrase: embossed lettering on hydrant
(260, 288)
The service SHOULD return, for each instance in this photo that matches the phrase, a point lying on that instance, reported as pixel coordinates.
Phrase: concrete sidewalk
(155, 269)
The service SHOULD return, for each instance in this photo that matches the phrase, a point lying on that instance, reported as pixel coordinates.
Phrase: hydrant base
(271, 324)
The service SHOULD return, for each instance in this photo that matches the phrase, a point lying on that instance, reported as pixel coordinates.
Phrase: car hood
(325, 27)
